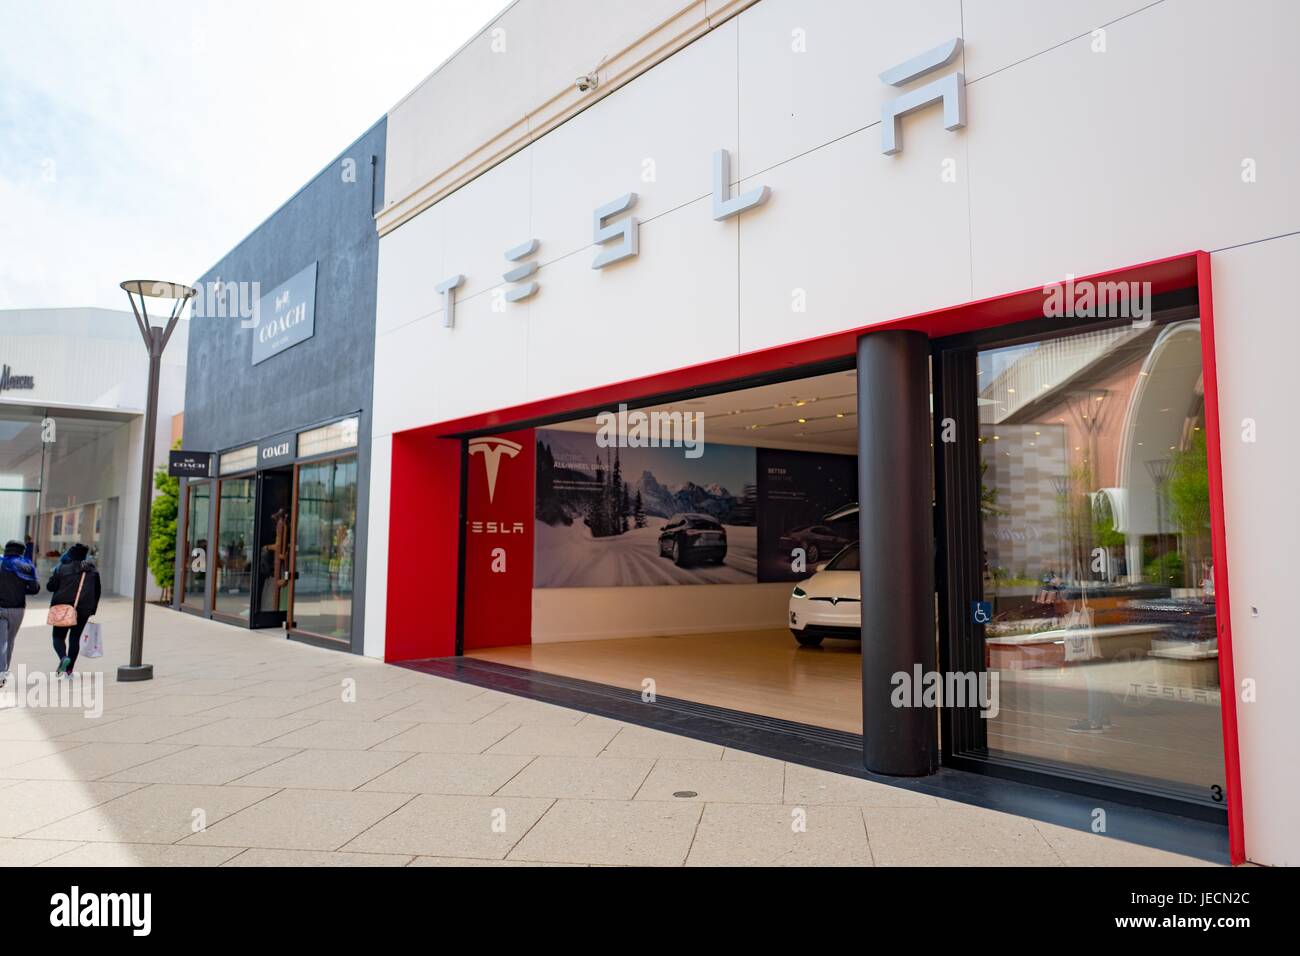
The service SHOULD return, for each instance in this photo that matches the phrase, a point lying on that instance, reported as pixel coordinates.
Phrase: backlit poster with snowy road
(611, 517)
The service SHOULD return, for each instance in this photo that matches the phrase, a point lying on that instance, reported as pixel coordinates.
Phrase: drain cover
(685, 793)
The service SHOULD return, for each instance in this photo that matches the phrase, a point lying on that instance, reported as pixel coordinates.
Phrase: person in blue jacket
(17, 582)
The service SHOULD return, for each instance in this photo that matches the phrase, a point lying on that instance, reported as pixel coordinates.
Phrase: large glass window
(1094, 508)
(198, 514)
(233, 560)
(59, 486)
(325, 544)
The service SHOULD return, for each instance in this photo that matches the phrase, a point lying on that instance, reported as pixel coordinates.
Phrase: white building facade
(72, 412)
(1051, 140)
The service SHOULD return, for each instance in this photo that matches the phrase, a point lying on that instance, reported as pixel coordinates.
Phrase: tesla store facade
(278, 404)
(1022, 271)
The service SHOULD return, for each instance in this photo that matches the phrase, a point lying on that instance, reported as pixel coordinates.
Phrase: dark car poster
(797, 490)
(622, 516)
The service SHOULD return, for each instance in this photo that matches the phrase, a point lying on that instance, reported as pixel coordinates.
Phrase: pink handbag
(65, 615)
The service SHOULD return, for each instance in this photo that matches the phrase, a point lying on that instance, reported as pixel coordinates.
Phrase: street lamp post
(155, 340)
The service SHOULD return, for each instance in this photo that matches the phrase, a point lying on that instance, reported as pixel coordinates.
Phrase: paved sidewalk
(244, 752)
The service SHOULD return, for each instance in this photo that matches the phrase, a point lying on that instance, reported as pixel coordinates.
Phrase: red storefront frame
(428, 480)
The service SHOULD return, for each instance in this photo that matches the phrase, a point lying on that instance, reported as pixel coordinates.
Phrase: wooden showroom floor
(759, 672)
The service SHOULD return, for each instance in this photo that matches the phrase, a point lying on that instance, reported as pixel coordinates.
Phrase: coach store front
(270, 540)
(273, 518)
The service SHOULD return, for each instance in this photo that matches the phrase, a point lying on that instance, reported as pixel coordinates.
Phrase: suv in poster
(693, 539)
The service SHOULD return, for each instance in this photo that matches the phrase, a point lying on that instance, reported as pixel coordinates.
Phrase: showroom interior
(611, 603)
(1041, 494)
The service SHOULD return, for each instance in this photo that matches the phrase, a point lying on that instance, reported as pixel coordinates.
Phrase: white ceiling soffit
(817, 414)
(517, 128)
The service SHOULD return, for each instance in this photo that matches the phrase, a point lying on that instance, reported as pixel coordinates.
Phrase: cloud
(145, 138)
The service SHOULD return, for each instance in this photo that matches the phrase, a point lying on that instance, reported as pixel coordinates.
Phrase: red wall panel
(423, 547)
(499, 540)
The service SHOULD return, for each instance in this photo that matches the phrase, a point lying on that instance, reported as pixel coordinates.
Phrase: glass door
(271, 574)
(1076, 524)
(233, 560)
(198, 503)
(324, 545)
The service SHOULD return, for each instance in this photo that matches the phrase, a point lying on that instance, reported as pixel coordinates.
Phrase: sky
(146, 138)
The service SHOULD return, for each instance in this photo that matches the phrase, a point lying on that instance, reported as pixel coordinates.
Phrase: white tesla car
(829, 604)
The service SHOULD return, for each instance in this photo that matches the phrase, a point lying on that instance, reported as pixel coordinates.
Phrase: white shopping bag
(1080, 638)
(92, 641)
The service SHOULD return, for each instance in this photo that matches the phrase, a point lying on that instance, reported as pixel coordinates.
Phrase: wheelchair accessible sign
(982, 611)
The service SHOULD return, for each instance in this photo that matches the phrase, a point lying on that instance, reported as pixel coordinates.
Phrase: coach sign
(286, 316)
(280, 450)
(189, 464)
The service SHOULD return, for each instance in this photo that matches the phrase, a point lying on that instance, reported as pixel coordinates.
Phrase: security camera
(585, 83)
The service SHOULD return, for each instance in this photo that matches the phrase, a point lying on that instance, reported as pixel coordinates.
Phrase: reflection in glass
(1094, 502)
(196, 540)
(325, 544)
(234, 558)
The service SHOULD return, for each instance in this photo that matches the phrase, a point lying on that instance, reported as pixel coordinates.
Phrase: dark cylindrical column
(896, 542)
(136, 670)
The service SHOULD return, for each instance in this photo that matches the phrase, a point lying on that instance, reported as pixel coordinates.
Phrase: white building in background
(73, 386)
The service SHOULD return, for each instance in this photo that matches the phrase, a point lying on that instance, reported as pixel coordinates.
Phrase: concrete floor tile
(581, 778)
(324, 769)
(158, 813)
(14, 752)
(451, 711)
(950, 835)
(342, 735)
(464, 774)
(462, 861)
(358, 710)
(645, 742)
(731, 753)
(32, 852)
(240, 731)
(47, 724)
(441, 825)
(143, 854)
(263, 707)
(301, 820)
(137, 729)
(1085, 848)
(612, 832)
(522, 711)
(747, 835)
(204, 686)
(203, 765)
(262, 856)
(88, 761)
(447, 738)
(553, 740)
(309, 690)
(177, 705)
(715, 781)
(809, 786)
(30, 804)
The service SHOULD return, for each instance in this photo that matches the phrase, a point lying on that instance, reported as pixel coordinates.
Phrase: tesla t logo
(492, 449)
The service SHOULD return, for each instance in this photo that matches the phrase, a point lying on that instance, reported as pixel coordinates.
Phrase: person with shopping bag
(17, 582)
(74, 588)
